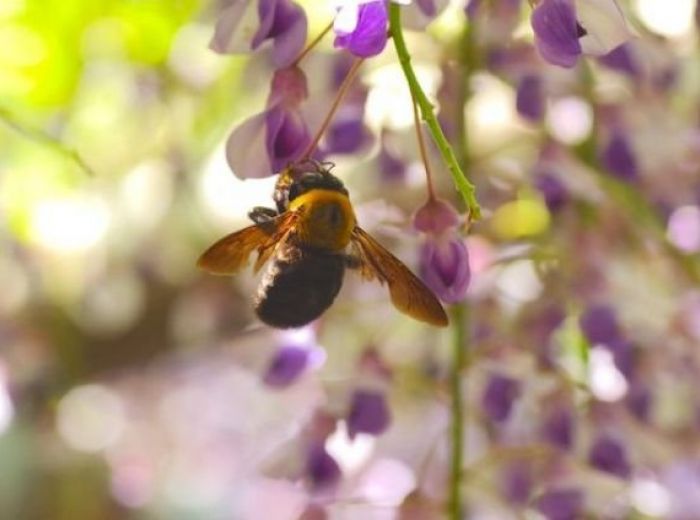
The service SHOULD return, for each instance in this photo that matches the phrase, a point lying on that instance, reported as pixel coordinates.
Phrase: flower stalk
(461, 182)
(334, 108)
(459, 343)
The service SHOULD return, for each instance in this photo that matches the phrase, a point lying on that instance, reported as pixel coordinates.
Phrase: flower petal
(556, 32)
(234, 27)
(444, 267)
(605, 26)
(370, 34)
(245, 149)
(284, 22)
(287, 137)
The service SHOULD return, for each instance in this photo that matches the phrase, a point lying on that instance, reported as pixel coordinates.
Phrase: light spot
(684, 229)
(387, 482)
(69, 225)
(606, 381)
(349, 454)
(666, 18)
(90, 418)
(520, 218)
(389, 100)
(650, 498)
(519, 282)
(228, 198)
(570, 120)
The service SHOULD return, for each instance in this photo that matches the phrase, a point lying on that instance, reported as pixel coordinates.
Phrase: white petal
(605, 24)
(346, 19)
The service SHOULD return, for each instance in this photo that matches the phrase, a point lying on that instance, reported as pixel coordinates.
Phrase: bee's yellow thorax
(327, 219)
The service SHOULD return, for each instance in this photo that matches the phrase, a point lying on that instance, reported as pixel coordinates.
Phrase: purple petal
(472, 7)
(517, 482)
(391, 168)
(557, 32)
(370, 35)
(619, 158)
(428, 7)
(558, 427)
(553, 190)
(499, 395)
(322, 470)
(284, 22)
(347, 135)
(622, 60)
(599, 325)
(530, 101)
(444, 267)
(561, 504)
(609, 455)
(639, 400)
(245, 149)
(286, 366)
(287, 137)
(368, 413)
(233, 28)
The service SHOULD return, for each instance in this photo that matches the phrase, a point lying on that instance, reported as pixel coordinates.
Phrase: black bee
(312, 238)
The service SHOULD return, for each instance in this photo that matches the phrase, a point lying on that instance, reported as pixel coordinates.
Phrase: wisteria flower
(267, 142)
(361, 26)
(369, 413)
(566, 29)
(444, 259)
(281, 21)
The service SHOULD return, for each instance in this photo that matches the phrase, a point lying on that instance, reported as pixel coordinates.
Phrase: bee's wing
(230, 254)
(408, 293)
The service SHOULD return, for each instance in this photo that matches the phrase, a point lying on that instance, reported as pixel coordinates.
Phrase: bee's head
(317, 177)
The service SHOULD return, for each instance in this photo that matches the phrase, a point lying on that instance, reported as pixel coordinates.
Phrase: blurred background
(134, 386)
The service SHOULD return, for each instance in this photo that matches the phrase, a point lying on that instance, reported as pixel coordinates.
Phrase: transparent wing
(408, 293)
(230, 254)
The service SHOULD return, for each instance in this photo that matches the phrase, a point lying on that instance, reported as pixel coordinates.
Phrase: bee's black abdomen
(298, 286)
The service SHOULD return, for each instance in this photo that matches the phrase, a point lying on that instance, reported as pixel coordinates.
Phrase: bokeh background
(132, 385)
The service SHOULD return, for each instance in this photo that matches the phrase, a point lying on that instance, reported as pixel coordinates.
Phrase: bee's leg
(263, 216)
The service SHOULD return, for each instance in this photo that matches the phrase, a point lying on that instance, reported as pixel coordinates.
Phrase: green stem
(44, 139)
(465, 188)
(459, 342)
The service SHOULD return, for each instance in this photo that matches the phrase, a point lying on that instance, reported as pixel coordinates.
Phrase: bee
(312, 237)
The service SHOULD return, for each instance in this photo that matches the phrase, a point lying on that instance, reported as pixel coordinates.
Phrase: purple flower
(444, 267)
(321, 469)
(622, 60)
(561, 504)
(347, 135)
(286, 136)
(391, 167)
(368, 413)
(530, 99)
(565, 29)
(499, 394)
(557, 32)
(267, 142)
(553, 191)
(608, 455)
(618, 157)
(281, 21)
(435, 216)
(362, 29)
(599, 324)
(286, 366)
(517, 482)
(558, 427)
(639, 400)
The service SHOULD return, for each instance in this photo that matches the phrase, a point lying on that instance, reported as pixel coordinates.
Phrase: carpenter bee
(312, 237)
